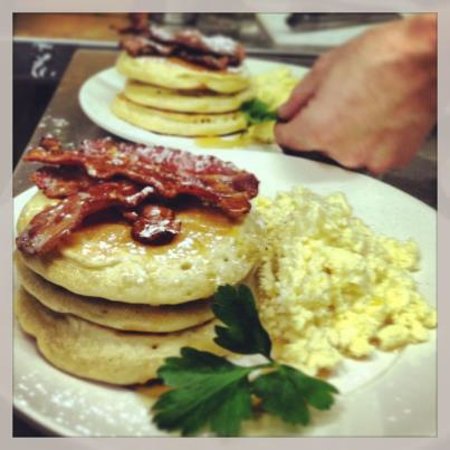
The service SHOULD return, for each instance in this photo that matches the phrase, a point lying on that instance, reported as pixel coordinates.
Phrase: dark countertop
(64, 118)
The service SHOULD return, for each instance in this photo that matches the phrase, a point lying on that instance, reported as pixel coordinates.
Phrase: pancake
(102, 260)
(98, 353)
(177, 123)
(174, 73)
(184, 101)
(121, 316)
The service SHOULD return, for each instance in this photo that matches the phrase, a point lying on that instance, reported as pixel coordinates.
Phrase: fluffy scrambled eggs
(273, 88)
(329, 287)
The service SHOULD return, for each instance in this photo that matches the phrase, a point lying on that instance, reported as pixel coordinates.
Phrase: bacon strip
(60, 182)
(214, 52)
(155, 225)
(170, 172)
(55, 223)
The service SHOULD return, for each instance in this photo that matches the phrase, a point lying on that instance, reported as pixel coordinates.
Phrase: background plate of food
(344, 279)
(153, 114)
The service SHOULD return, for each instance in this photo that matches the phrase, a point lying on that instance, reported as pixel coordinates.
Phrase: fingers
(306, 88)
(375, 155)
(294, 136)
(300, 96)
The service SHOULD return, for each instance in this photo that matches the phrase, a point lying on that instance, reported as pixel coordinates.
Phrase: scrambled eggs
(329, 287)
(273, 88)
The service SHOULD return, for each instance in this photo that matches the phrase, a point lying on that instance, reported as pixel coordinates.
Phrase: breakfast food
(117, 315)
(178, 123)
(174, 73)
(270, 90)
(182, 83)
(183, 101)
(103, 260)
(329, 287)
(184, 59)
(100, 353)
(126, 238)
(122, 248)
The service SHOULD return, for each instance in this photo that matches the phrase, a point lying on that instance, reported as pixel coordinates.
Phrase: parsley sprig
(257, 111)
(209, 390)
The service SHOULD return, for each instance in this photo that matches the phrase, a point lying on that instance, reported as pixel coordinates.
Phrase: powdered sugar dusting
(220, 44)
(161, 33)
(57, 125)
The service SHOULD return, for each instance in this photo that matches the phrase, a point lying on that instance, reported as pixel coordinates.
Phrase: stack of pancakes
(168, 95)
(106, 307)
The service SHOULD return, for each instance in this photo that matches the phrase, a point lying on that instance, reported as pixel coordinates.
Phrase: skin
(369, 103)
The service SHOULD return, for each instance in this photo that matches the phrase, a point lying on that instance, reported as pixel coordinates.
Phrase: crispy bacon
(214, 52)
(55, 223)
(60, 182)
(155, 225)
(104, 174)
(170, 172)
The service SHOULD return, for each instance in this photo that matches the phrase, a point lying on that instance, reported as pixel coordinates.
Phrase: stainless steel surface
(63, 116)
(324, 21)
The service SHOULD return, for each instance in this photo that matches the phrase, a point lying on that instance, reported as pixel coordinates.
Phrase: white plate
(394, 394)
(98, 92)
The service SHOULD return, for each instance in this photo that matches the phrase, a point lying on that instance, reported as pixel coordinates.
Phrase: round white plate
(393, 394)
(98, 92)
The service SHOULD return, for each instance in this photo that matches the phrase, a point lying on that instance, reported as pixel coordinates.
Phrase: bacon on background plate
(214, 52)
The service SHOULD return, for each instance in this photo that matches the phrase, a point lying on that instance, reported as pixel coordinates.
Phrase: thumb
(295, 136)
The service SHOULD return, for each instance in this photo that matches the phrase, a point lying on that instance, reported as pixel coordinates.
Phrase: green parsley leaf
(244, 333)
(286, 392)
(210, 391)
(256, 111)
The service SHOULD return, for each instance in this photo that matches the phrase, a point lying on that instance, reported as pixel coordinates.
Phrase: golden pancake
(184, 101)
(102, 259)
(121, 316)
(177, 123)
(174, 73)
(91, 351)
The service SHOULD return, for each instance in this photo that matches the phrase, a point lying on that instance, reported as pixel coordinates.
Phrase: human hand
(369, 103)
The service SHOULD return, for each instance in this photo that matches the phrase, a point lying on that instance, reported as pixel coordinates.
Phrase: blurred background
(45, 43)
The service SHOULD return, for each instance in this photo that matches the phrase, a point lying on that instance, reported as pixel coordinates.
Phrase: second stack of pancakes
(183, 83)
